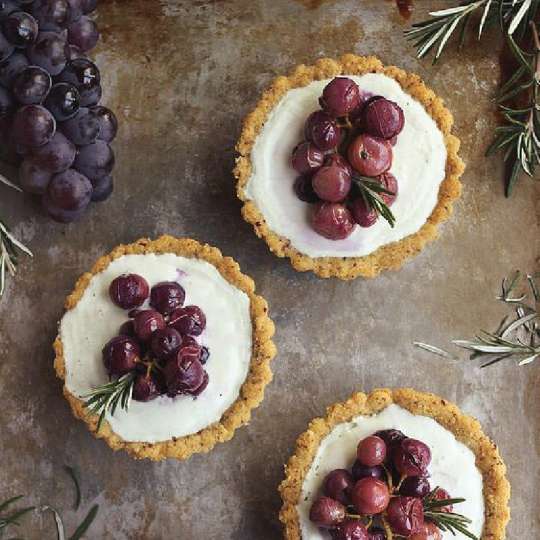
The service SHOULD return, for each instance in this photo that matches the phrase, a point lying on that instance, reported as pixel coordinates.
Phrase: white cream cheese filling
(85, 329)
(452, 466)
(419, 161)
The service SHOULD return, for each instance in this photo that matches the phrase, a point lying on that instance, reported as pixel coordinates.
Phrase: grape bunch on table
(51, 122)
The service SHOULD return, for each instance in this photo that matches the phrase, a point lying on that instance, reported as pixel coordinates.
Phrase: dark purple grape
(188, 320)
(415, 486)
(392, 437)
(92, 97)
(167, 296)
(340, 96)
(205, 355)
(73, 52)
(146, 322)
(84, 75)
(307, 158)
(32, 179)
(33, 125)
(56, 156)
(326, 512)
(127, 329)
(145, 388)
(376, 534)
(405, 515)
(95, 160)
(183, 374)
(49, 52)
(103, 188)
(361, 471)
(322, 130)
(63, 101)
(193, 349)
(7, 103)
(165, 343)
(75, 10)
(363, 214)
(59, 214)
(332, 220)
(69, 190)
(129, 291)
(120, 355)
(6, 48)
(32, 85)
(370, 496)
(20, 28)
(89, 6)
(383, 118)
(351, 529)
(83, 128)
(202, 387)
(411, 457)
(108, 123)
(332, 183)
(83, 33)
(303, 188)
(11, 67)
(51, 14)
(371, 451)
(7, 7)
(338, 485)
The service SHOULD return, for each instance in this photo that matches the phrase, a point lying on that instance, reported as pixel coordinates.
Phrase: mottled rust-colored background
(181, 75)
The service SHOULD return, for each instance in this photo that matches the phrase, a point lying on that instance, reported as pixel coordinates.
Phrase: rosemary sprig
(434, 33)
(519, 137)
(13, 517)
(371, 191)
(107, 397)
(516, 338)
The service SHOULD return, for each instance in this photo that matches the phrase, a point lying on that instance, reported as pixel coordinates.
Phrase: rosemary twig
(106, 398)
(11, 518)
(371, 191)
(517, 338)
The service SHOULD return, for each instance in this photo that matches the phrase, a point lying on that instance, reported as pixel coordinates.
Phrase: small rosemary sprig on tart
(516, 338)
(371, 191)
(107, 397)
(434, 511)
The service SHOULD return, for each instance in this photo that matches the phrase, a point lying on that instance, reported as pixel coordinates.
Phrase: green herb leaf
(85, 525)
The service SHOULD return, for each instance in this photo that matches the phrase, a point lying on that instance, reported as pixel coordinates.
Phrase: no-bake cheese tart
(164, 348)
(395, 464)
(347, 167)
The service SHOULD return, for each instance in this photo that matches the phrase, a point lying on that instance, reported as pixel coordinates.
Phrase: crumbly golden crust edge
(391, 256)
(465, 428)
(252, 391)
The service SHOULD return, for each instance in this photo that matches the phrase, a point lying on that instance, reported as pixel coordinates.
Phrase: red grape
(167, 296)
(338, 160)
(441, 494)
(327, 512)
(303, 188)
(146, 322)
(391, 437)
(340, 96)
(63, 101)
(69, 190)
(166, 342)
(361, 471)
(20, 28)
(369, 155)
(411, 457)
(56, 156)
(83, 128)
(364, 215)
(415, 486)
(120, 355)
(145, 388)
(428, 531)
(371, 451)
(108, 123)
(405, 515)
(95, 160)
(49, 52)
(32, 179)
(188, 320)
(129, 291)
(83, 33)
(322, 130)
(338, 485)
(33, 125)
(332, 220)
(389, 182)
(352, 529)
(332, 183)
(370, 496)
(383, 118)
(32, 85)
(307, 158)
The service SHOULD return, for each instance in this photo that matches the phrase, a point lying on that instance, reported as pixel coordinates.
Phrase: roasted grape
(167, 296)
(307, 158)
(371, 451)
(352, 529)
(327, 512)
(369, 155)
(415, 486)
(303, 188)
(322, 130)
(370, 496)
(363, 214)
(383, 118)
(120, 355)
(146, 322)
(340, 97)
(405, 515)
(165, 343)
(188, 320)
(332, 183)
(332, 220)
(129, 291)
(338, 485)
(85, 76)
(411, 457)
(145, 388)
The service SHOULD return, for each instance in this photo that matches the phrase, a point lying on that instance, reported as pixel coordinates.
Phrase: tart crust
(465, 428)
(390, 256)
(252, 391)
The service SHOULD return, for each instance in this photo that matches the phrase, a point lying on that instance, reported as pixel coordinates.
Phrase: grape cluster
(386, 486)
(50, 118)
(349, 139)
(158, 343)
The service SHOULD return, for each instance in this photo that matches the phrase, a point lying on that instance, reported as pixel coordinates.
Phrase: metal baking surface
(181, 75)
